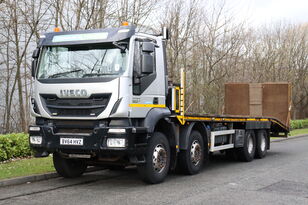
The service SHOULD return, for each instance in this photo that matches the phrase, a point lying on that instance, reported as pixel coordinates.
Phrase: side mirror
(147, 66)
(35, 56)
(36, 53)
(33, 67)
(148, 47)
(147, 58)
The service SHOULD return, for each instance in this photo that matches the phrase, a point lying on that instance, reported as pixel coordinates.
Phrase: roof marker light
(125, 23)
(56, 29)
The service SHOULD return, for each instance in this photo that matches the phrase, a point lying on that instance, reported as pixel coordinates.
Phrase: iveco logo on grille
(73, 93)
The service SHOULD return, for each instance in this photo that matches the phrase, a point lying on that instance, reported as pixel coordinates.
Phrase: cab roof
(80, 37)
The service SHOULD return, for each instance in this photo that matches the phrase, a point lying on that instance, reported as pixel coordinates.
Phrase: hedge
(298, 124)
(14, 145)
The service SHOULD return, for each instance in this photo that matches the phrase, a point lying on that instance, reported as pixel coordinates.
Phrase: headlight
(35, 139)
(116, 131)
(115, 142)
(34, 106)
(34, 128)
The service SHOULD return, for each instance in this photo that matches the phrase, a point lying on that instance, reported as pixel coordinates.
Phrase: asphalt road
(280, 178)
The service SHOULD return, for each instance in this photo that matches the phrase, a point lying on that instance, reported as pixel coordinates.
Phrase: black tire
(159, 146)
(68, 168)
(247, 153)
(262, 144)
(186, 162)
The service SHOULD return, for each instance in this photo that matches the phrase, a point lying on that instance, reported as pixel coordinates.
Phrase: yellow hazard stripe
(224, 119)
(147, 105)
(275, 121)
(228, 119)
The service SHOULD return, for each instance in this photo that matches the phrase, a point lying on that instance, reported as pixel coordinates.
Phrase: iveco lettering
(103, 98)
(73, 93)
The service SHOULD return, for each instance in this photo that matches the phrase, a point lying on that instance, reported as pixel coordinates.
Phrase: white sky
(260, 12)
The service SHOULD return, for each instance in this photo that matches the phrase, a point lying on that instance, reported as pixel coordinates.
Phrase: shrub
(298, 124)
(14, 145)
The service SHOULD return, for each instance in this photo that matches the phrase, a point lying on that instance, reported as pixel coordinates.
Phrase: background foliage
(14, 145)
(298, 124)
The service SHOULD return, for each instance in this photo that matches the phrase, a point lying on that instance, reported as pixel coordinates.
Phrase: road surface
(280, 178)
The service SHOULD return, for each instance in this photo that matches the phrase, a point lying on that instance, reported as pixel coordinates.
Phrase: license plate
(71, 141)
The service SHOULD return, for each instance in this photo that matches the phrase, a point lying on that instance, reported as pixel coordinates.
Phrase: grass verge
(26, 167)
(294, 133)
(299, 132)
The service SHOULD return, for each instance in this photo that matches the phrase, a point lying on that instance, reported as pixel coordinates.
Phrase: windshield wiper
(121, 45)
(64, 73)
(97, 74)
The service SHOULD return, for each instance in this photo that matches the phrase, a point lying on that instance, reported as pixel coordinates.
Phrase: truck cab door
(148, 78)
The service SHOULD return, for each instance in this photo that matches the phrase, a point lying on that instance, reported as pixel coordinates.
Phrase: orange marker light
(125, 23)
(56, 29)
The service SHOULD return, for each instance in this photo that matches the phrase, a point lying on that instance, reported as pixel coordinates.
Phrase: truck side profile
(102, 98)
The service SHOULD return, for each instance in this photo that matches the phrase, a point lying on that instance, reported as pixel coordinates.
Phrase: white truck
(102, 98)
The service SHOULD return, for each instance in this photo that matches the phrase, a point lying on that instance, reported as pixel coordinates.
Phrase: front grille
(75, 107)
(83, 131)
(75, 126)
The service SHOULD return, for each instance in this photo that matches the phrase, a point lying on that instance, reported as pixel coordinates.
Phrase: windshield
(82, 62)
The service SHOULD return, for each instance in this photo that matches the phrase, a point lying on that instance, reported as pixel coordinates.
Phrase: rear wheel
(247, 152)
(262, 144)
(157, 162)
(68, 168)
(191, 160)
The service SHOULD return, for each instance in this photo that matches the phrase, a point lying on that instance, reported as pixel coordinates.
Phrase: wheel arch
(187, 129)
(167, 127)
(154, 116)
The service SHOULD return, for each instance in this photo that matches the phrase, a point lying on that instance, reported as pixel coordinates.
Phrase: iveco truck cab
(101, 98)
(96, 95)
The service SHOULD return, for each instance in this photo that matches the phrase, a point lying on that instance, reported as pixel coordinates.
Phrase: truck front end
(82, 89)
(97, 97)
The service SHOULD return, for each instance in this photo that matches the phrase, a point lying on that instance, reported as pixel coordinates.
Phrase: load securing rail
(181, 117)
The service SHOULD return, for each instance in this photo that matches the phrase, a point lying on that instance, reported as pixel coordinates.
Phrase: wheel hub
(195, 152)
(263, 143)
(250, 144)
(159, 158)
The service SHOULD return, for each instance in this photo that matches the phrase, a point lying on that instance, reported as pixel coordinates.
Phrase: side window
(137, 59)
(144, 71)
(137, 69)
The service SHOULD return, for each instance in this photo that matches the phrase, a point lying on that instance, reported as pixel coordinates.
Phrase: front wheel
(68, 168)
(157, 162)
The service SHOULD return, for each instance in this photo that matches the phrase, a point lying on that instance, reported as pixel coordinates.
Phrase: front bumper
(94, 143)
